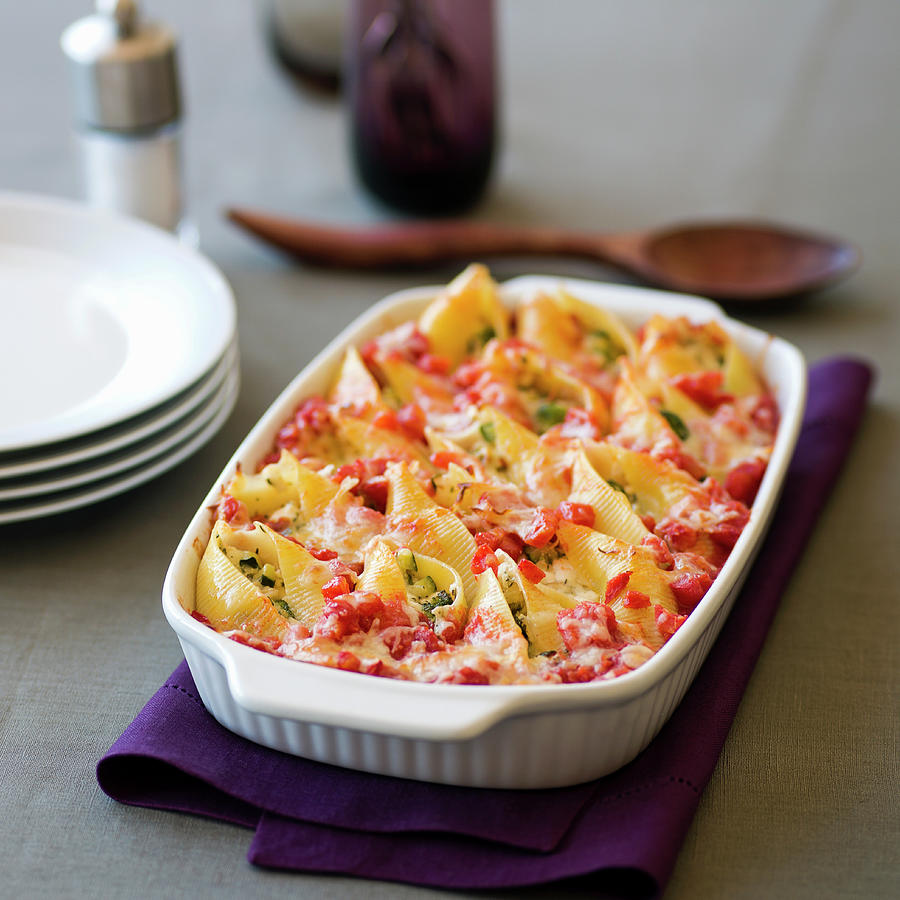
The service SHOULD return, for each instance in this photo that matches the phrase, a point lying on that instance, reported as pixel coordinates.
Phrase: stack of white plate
(119, 354)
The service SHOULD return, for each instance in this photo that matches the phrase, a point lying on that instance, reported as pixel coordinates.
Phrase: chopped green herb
(676, 423)
(548, 414)
(544, 555)
(488, 431)
(519, 616)
(632, 498)
(604, 345)
(441, 598)
(478, 340)
(283, 608)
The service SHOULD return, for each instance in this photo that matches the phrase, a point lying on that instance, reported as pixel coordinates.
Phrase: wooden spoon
(733, 261)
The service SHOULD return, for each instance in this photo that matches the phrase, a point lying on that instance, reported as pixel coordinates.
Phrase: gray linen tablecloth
(614, 116)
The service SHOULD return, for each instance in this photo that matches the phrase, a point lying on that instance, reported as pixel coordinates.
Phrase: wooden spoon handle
(424, 243)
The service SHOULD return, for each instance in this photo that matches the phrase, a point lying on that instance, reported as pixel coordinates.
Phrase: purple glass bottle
(421, 89)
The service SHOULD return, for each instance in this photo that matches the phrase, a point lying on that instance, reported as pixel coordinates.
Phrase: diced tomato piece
(411, 420)
(468, 373)
(581, 423)
(577, 674)
(374, 492)
(743, 481)
(443, 458)
(512, 544)
(543, 527)
(233, 511)
(588, 625)
(349, 470)
(336, 587)
(313, 413)
(348, 661)
(649, 522)
(489, 538)
(339, 567)
(375, 667)
(434, 364)
(532, 572)
(690, 588)
(467, 675)
(484, 559)
(765, 414)
(280, 524)
(288, 437)
(636, 600)
(498, 539)
(726, 534)
(387, 419)
(201, 618)
(369, 352)
(398, 640)
(322, 554)
(683, 460)
(416, 345)
(678, 535)
(431, 641)
(662, 554)
(338, 619)
(616, 585)
(704, 388)
(270, 458)
(577, 513)
(448, 630)
(369, 607)
(267, 645)
(667, 623)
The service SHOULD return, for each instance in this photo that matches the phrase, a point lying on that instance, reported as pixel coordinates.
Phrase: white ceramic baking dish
(526, 736)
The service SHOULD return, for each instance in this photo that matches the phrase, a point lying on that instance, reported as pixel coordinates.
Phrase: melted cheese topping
(478, 452)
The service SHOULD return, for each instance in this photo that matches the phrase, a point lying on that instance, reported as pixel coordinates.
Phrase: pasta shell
(381, 574)
(612, 509)
(595, 318)
(601, 558)
(273, 487)
(304, 577)
(491, 620)
(355, 387)
(228, 598)
(544, 321)
(740, 378)
(426, 527)
(465, 315)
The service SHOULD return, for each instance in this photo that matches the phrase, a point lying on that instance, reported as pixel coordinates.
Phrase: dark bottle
(420, 77)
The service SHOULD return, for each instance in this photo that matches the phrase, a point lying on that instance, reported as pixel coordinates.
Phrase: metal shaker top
(125, 70)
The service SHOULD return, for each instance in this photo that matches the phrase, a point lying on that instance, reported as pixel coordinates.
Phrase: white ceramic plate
(63, 501)
(135, 455)
(104, 318)
(518, 736)
(40, 460)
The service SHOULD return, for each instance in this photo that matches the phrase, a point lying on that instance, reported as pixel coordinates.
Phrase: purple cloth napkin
(624, 830)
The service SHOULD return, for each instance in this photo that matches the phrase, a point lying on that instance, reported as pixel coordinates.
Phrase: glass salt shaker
(128, 113)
